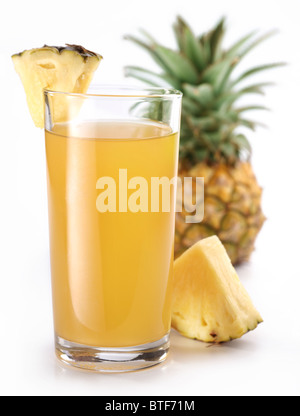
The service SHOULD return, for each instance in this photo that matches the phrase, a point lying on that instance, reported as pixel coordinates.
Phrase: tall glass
(112, 160)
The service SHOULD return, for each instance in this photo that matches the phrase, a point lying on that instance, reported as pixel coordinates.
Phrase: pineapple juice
(111, 271)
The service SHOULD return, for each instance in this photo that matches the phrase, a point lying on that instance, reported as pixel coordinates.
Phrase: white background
(264, 362)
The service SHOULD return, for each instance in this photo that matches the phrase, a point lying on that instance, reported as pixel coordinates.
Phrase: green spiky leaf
(235, 49)
(204, 70)
(257, 42)
(189, 44)
(255, 70)
(216, 38)
(178, 65)
(190, 106)
(151, 77)
(251, 108)
(149, 49)
(203, 94)
(241, 141)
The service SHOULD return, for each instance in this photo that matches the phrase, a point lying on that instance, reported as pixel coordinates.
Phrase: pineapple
(210, 303)
(65, 69)
(212, 144)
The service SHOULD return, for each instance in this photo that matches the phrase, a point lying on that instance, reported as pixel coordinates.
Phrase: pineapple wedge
(210, 303)
(65, 69)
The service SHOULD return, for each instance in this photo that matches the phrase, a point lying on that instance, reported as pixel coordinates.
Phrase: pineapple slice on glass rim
(64, 69)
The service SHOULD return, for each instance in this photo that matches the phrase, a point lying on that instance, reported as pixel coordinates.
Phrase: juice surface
(111, 272)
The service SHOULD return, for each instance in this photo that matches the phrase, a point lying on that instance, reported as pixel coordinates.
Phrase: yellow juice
(111, 271)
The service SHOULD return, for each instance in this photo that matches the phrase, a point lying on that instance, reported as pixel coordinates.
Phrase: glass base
(112, 360)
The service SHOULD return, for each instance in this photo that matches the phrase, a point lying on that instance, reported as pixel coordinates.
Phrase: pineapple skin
(210, 303)
(232, 210)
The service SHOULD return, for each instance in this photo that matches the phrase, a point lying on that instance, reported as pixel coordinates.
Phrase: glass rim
(121, 91)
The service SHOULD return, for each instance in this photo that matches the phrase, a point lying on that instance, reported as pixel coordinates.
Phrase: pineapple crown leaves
(203, 70)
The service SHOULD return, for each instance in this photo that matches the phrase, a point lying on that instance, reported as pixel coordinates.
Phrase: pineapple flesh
(213, 142)
(63, 69)
(210, 303)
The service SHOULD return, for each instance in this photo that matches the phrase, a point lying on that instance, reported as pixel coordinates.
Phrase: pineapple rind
(235, 219)
(210, 303)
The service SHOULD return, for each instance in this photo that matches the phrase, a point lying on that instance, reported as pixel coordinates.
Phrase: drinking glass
(112, 160)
